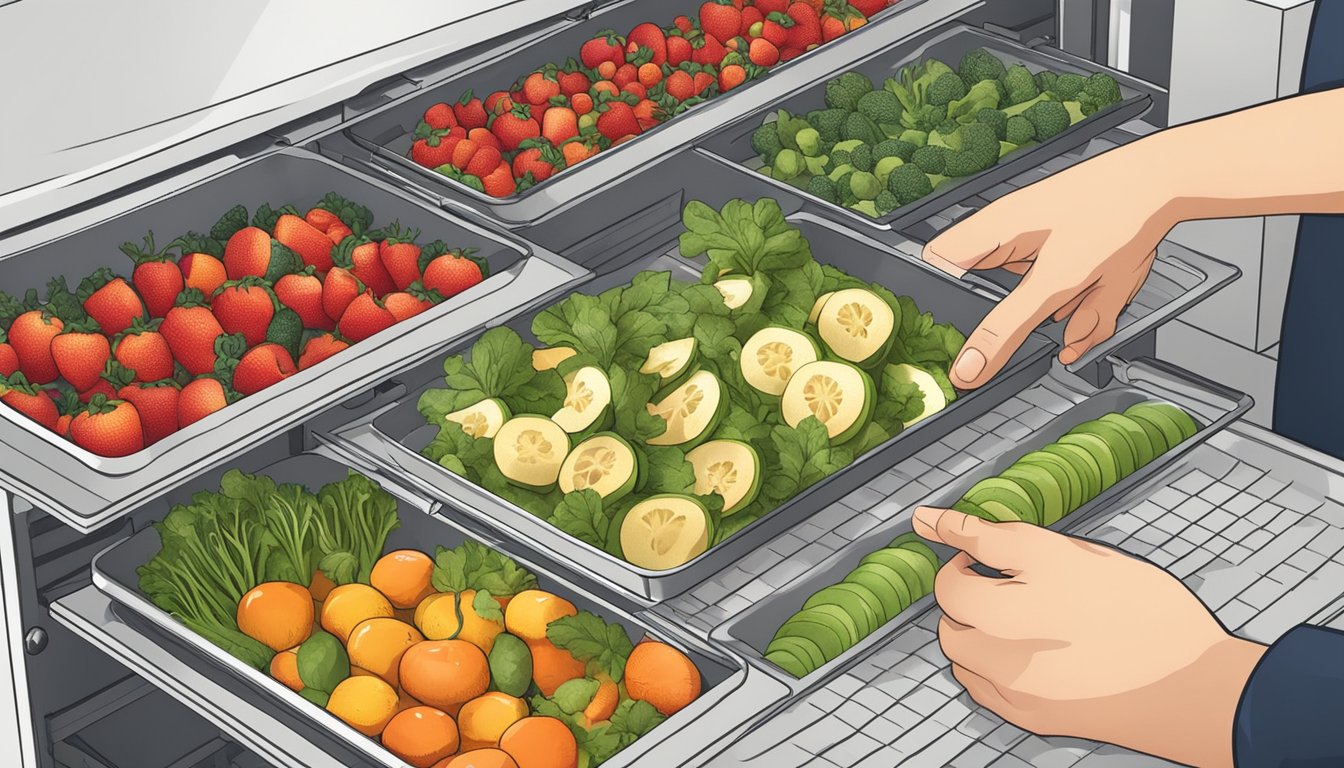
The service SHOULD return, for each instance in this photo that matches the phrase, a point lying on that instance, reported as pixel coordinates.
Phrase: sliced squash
(856, 325)
(604, 463)
(482, 419)
(691, 411)
(665, 531)
(529, 451)
(815, 312)
(548, 358)
(730, 468)
(587, 399)
(736, 291)
(771, 356)
(935, 399)
(670, 359)
(839, 395)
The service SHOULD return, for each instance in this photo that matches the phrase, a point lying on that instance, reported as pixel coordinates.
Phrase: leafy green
(353, 519)
(630, 393)
(590, 639)
(580, 515)
(459, 452)
(666, 470)
(898, 401)
(471, 565)
(804, 457)
(744, 238)
(500, 366)
(233, 220)
(602, 329)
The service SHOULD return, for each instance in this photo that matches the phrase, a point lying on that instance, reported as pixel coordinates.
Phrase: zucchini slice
(771, 356)
(529, 451)
(691, 411)
(482, 419)
(736, 291)
(670, 359)
(838, 394)
(587, 399)
(604, 463)
(547, 359)
(815, 312)
(857, 325)
(665, 531)
(729, 468)
(935, 399)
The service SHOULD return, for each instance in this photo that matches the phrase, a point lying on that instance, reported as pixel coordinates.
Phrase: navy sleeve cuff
(1291, 712)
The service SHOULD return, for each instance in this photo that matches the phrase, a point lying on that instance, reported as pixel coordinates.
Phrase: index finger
(992, 344)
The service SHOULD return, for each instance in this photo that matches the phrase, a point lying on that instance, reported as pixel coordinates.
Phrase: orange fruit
(348, 605)
(366, 704)
(436, 616)
(278, 614)
(552, 666)
(320, 586)
(403, 576)
(421, 736)
(378, 644)
(661, 675)
(484, 719)
(285, 668)
(541, 742)
(444, 673)
(530, 611)
(604, 701)
(479, 758)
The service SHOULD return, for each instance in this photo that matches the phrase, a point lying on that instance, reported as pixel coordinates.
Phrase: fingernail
(931, 256)
(1068, 355)
(969, 364)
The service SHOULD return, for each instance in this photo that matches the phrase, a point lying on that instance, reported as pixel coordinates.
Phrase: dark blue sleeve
(1292, 710)
(1323, 67)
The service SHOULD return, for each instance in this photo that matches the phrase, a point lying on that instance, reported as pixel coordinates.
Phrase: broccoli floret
(789, 164)
(1068, 86)
(908, 183)
(925, 118)
(929, 159)
(893, 148)
(1103, 88)
(862, 157)
(765, 140)
(864, 185)
(837, 158)
(881, 106)
(962, 164)
(1019, 84)
(948, 87)
(827, 122)
(979, 64)
(1020, 130)
(820, 186)
(845, 91)
(860, 126)
(886, 202)
(1049, 118)
(979, 146)
(808, 141)
(843, 192)
(995, 119)
(1045, 80)
(885, 166)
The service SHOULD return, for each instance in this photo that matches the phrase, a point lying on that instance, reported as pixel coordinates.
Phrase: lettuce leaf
(580, 514)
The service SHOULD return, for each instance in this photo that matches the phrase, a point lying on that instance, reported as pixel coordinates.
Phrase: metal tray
(385, 132)
(733, 692)
(391, 436)
(732, 145)
(1214, 407)
(86, 490)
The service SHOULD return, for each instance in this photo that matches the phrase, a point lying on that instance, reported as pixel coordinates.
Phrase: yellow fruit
(285, 668)
(437, 619)
(403, 576)
(529, 613)
(378, 644)
(348, 605)
(421, 736)
(366, 704)
(484, 719)
(444, 673)
(661, 675)
(278, 614)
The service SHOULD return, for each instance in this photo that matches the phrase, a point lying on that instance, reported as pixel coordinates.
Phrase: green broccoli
(864, 185)
(948, 87)
(1104, 89)
(1020, 130)
(908, 184)
(1049, 118)
(930, 159)
(978, 65)
(860, 126)
(843, 192)
(788, 164)
(885, 166)
(809, 142)
(837, 158)
(962, 164)
(862, 157)
(881, 107)
(765, 140)
(1045, 81)
(827, 122)
(820, 186)
(886, 202)
(1019, 84)
(893, 148)
(1018, 109)
(995, 119)
(925, 118)
(1068, 86)
(845, 91)
(918, 138)
(980, 144)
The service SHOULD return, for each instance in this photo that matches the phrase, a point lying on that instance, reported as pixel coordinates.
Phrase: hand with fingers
(1082, 640)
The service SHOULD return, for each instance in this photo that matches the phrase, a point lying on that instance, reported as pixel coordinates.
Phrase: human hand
(1082, 640)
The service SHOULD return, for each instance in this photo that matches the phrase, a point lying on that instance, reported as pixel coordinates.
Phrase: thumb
(997, 545)
(992, 344)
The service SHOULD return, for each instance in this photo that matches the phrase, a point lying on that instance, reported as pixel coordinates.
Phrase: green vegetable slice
(837, 394)
(665, 531)
(671, 359)
(587, 400)
(771, 356)
(529, 451)
(730, 468)
(604, 463)
(857, 325)
(691, 411)
(482, 419)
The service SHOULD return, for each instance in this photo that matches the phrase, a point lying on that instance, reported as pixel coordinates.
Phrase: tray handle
(1161, 377)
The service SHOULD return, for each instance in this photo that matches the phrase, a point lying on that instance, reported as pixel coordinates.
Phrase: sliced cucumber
(691, 411)
(935, 399)
(815, 312)
(665, 531)
(1138, 437)
(839, 395)
(529, 451)
(857, 325)
(670, 359)
(736, 291)
(886, 584)
(547, 359)
(805, 650)
(604, 463)
(587, 400)
(771, 356)
(853, 602)
(1007, 492)
(1121, 445)
(482, 419)
(1042, 483)
(729, 468)
(787, 661)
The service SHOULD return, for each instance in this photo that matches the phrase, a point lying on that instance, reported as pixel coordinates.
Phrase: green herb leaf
(589, 638)
(666, 470)
(485, 606)
(574, 695)
(580, 515)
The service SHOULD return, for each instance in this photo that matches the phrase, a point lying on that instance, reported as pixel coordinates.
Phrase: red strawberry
(763, 53)
(679, 50)
(143, 350)
(400, 256)
(451, 273)
(310, 243)
(157, 404)
(322, 219)
(498, 103)
(360, 256)
(9, 359)
(339, 288)
(605, 47)
(559, 125)
(484, 161)
(81, 351)
(319, 348)
(110, 301)
(19, 394)
(157, 278)
(720, 19)
(679, 85)
(500, 182)
(302, 292)
(411, 302)
(68, 405)
(541, 162)
(338, 232)
(108, 428)
(192, 330)
(709, 52)
(768, 7)
(30, 335)
(683, 23)
(618, 120)
(261, 367)
(102, 387)
(703, 81)
(731, 76)
(484, 138)
(573, 82)
(245, 307)
(806, 29)
(869, 7)
(751, 16)
(514, 127)
(540, 88)
(440, 117)
(432, 155)
(202, 271)
(200, 398)
(251, 252)
(625, 75)
(470, 112)
(776, 28)
(365, 317)
(650, 37)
